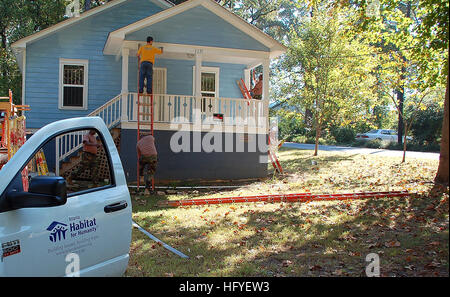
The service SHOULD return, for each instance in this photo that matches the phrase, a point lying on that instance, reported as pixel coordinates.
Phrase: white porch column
(125, 55)
(265, 93)
(247, 78)
(198, 73)
(198, 87)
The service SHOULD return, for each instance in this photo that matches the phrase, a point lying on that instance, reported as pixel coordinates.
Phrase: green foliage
(343, 134)
(330, 71)
(20, 18)
(290, 124)
(427, 124)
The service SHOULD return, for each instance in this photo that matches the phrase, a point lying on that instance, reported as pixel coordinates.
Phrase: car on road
(387, 135)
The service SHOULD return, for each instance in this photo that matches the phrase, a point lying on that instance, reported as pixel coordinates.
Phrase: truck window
(78, 156)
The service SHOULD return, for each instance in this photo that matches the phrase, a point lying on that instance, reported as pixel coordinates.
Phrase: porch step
(74, 161)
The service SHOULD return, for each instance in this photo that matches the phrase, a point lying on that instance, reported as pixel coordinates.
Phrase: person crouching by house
(148, 160)
(89, 158)
(146, 56)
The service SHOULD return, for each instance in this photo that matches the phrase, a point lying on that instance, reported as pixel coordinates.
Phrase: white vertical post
(24, 75)
(57, 155)
(247, 78)
(198, 86)
(125, 55)
(265, 94)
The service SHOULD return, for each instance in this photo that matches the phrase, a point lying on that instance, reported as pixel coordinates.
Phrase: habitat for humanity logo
(57, 231)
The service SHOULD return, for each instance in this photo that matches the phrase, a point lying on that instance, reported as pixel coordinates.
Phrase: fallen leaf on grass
(286, 263)
(432, 265)
(338, 272)
(315, 267)
(392, 244)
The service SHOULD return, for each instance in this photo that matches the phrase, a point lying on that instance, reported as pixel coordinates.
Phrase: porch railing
(183, 109)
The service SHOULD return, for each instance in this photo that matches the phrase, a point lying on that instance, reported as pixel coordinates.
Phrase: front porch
(188, 98)
(181, 112)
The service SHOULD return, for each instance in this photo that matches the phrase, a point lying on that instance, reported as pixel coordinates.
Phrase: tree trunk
(316, 147)
(442, 173)
(404, 143)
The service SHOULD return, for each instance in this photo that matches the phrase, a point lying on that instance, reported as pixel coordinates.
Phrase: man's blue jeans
(146, 71)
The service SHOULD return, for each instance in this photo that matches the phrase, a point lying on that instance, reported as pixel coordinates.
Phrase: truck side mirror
(44, 191)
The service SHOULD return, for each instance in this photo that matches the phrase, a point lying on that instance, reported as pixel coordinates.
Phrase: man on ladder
(148, 160)
(146, 56)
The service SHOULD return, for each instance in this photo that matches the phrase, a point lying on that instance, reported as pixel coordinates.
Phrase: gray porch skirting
(219, 156)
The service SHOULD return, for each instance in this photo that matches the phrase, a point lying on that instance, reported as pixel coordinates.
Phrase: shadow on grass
(304, 161)
(410, 235)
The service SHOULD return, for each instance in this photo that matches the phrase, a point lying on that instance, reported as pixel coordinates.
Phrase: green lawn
(410, 235)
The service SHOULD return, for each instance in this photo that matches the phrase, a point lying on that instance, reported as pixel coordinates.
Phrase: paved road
(363, 151)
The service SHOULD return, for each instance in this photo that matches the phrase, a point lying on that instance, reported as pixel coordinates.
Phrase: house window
(209, 86)
(73, 84)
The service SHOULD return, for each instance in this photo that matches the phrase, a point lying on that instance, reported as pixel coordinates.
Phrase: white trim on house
(116, 38)
(209, 53)
(24, 73)
(62, 63)
(204, 69)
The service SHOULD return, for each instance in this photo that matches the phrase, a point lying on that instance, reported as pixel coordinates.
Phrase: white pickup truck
(48, 228)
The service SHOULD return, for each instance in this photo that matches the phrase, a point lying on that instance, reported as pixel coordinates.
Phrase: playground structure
(13, 130)
(13, 133)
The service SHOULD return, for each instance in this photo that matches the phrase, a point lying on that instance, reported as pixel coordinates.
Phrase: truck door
(86, 234)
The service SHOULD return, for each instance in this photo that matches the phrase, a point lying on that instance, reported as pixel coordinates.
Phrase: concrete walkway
(363, 151)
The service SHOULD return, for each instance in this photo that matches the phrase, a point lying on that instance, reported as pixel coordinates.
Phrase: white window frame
(215, 70)
(76, 62)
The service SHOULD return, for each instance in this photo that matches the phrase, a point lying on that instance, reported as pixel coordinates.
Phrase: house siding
(84, 40)
(198, 26)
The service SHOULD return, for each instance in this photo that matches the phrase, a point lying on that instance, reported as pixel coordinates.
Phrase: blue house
(204, 127)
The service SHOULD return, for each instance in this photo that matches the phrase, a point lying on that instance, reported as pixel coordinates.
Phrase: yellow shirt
(148, 52)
